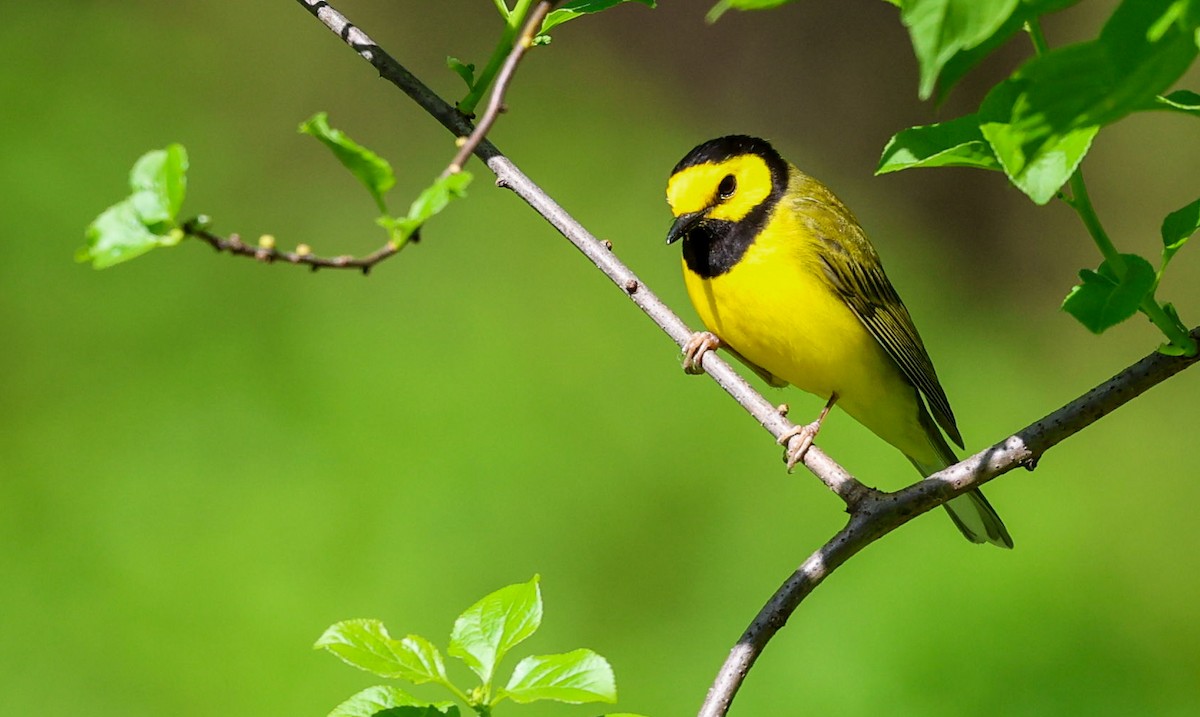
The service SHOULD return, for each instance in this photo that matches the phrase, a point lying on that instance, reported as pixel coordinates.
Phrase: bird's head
(722, 182)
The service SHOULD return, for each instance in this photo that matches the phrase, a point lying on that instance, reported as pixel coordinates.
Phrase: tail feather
(977, 520)
(971, 512)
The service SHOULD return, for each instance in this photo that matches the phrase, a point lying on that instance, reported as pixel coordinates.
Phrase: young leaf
(574, 8)
(1103, 300)
(575, 677)
(393, 702)
(431, 201)
(940, 29)
(957, 143)
(419, 660)
(159, 181)
(365, 644)
(494, 625)
(146, 218)
(1178, 227)
(372, 170)
(1041, 121)
(466, 72)
(719, 9)
(118, 235)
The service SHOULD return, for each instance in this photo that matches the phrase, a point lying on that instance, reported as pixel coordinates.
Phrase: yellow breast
(776, 310)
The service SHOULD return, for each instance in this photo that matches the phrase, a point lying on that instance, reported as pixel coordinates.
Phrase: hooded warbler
(783, 276)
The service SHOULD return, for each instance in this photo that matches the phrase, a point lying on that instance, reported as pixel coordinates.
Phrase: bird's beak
(683, 224)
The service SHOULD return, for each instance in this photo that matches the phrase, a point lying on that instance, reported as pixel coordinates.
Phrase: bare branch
(266, 252)
(495, 104)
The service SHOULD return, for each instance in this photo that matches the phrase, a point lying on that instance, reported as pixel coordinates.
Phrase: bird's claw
(699, 344)
(795, 454)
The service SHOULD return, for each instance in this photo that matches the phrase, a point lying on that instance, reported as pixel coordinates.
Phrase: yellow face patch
(696, 188)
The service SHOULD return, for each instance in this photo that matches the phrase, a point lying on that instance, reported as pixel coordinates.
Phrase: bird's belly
(788, 322)
(783, 318)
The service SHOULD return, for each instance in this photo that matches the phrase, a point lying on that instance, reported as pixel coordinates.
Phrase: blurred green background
(205, 461)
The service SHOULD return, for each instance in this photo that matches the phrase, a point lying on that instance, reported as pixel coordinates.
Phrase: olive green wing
(856, 274)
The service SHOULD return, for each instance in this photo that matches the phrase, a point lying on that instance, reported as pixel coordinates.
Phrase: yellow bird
(783, 276)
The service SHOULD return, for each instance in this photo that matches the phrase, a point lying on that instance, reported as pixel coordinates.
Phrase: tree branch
(266, 252)
(881, 513)
(873, 514)
(495, 104)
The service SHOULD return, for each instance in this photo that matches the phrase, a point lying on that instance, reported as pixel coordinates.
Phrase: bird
(784, 278)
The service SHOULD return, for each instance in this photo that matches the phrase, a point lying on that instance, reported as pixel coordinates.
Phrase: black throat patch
(714, 246)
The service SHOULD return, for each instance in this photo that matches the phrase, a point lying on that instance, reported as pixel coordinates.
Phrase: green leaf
(439, 194)
(118, 235)
(365, 644)
(719, 9)
(575, 677)
(575, 8)
(1041, 121)
(1178, 227)
(385, 700)
(962, 62)
(1184, 101)
(957, 143)
(432, 200)
(146, 218)
(159, 181)
(466, 72)
(1104, 300)
(419, 660)
(940, 29)
(494, 625)
(371, 169)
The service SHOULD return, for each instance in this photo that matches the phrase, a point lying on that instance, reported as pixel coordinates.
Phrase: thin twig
(880, 514)
(495, 103)
(267, 253)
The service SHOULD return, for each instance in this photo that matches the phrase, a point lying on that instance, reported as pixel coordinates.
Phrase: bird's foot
(806, 433)
(699, 344)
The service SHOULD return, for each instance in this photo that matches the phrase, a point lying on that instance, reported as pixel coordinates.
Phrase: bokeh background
(205, 461)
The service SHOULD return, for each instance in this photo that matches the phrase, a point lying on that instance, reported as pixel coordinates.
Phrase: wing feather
(855, 272)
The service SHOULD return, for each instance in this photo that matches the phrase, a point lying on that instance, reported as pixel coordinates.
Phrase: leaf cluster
(481, 637)
(145, 219)
(1037, 125)
(149, 216)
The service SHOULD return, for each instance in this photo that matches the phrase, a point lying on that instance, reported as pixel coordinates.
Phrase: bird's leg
(807, 433)
(700, 343)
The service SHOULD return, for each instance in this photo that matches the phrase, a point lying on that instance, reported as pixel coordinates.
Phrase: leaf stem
(1175, 333)
(1081, 202)
(459, 694)
(513, 19)
(1037, 37)
(502, 6)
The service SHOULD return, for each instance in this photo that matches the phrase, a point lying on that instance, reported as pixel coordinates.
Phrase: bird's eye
(727, 186)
